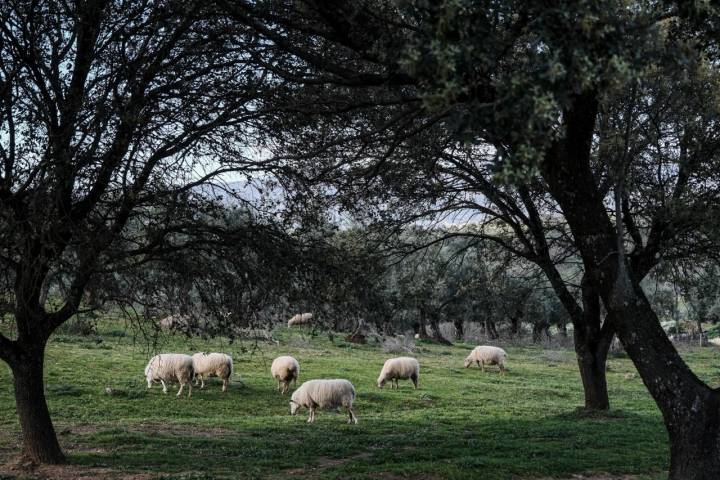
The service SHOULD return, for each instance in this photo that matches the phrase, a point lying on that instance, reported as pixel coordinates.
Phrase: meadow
(460, 423)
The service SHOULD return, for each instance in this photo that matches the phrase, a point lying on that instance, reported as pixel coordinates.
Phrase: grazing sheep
(285, 369)
(212, 365)
(401, 368)
(714, 341)
(170, 367)
(315, 394)
(300, 319)
(487, 355)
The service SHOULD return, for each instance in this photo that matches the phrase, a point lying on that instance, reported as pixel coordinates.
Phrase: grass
(460, 423)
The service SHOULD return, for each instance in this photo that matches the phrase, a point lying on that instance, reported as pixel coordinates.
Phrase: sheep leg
(353, 418)
(414, 379)
(202, 382)
(225, 384)
(278, 387)
(164, 386)
(182, 385)
(311, 418)
(482, 365)
(189, 389)
(149, 383)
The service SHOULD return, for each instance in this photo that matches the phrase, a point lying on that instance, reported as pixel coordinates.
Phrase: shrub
(399, 344)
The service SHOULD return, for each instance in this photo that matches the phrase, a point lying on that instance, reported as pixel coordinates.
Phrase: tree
(112, 115)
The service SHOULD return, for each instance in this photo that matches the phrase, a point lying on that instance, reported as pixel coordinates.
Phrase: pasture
(460, 423)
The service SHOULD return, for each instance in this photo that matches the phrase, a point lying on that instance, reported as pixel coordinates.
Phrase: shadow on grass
(457, 446)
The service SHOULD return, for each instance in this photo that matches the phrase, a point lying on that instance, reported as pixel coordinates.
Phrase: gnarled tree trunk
(39, 442)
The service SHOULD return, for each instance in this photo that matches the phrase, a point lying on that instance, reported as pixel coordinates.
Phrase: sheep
(170, 367)
(212, 365)
(285, 369)
(714, 341)
(315, 394)
(402, 368)
(300, 319)
(485, 354)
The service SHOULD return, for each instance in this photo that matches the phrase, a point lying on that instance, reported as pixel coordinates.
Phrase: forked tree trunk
(39, 443)
(592, 340)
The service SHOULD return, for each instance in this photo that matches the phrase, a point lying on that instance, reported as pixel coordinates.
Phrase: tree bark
(592, 342)
(40, 443)
(490, 329)
(459, 329)
(592, 357)
(514, 325)
(437, 336)
(538, 329)
(695, 445)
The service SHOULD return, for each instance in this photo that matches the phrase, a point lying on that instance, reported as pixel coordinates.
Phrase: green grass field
(460, 423)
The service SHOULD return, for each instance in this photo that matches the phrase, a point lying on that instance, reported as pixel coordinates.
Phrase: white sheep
(212, 365)
(315, 394)
(400, 368)
(487, 355)
(285, 369)
(714, 341)
(300, 319)
(170, 367)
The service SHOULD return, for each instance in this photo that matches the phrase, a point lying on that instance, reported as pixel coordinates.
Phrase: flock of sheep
(312, 394)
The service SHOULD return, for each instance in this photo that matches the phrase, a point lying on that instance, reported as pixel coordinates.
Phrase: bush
(399, 344)
(81, 326)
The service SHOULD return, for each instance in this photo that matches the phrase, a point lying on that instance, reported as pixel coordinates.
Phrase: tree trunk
(695, 443)
(538, 329)
(459, 329)
(514, 325)
(490, 329)
(691, 410)
(40, 443)
(437, 336)
(420, 329)
(592, 340)
(592, 358)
